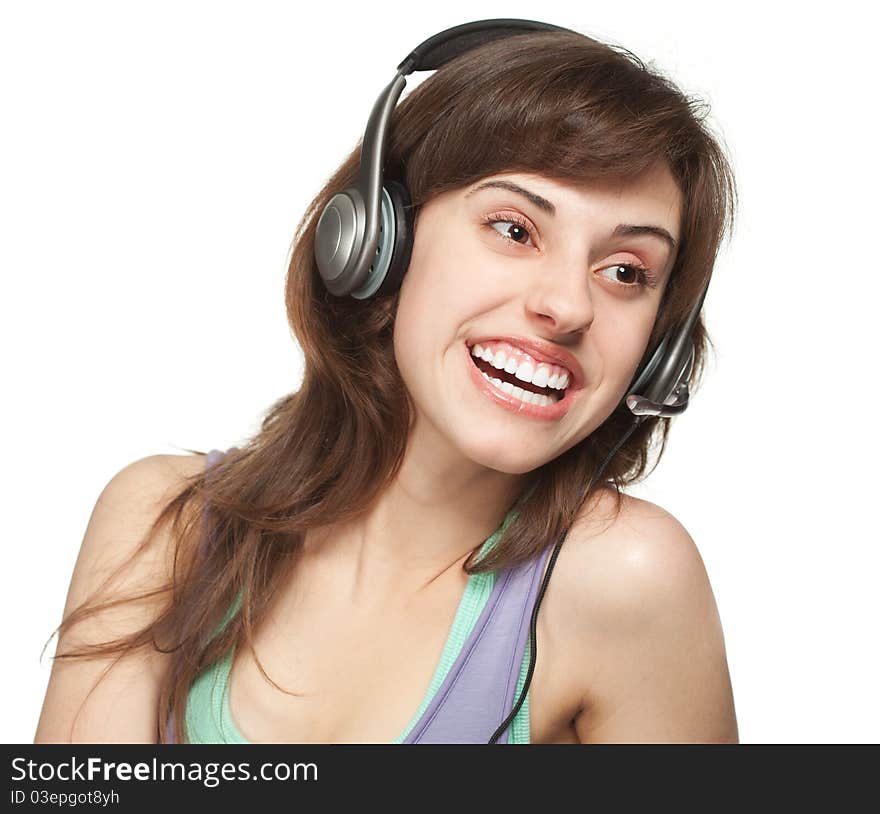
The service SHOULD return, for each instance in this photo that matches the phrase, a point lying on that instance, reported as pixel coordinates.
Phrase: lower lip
(552, 412)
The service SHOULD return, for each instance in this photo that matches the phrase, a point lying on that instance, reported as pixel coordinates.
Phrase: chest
(350, 673)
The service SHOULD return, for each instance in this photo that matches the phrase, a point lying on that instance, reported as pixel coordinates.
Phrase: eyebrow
(621, 230)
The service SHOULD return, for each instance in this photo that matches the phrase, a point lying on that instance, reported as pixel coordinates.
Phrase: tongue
(495, 373)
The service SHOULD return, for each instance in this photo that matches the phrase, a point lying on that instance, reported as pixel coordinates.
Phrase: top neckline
(476, 592)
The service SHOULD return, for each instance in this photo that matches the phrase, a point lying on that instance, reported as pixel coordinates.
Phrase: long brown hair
(555, 103)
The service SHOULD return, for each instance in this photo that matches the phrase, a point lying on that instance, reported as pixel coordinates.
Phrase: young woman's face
(563, 287)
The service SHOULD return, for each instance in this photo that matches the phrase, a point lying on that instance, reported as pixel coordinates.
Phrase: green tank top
(208, 715)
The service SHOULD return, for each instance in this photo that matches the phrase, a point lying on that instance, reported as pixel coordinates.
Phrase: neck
(440, 506)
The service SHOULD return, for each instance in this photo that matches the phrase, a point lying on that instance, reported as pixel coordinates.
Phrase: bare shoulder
(123, 514)
(623, 562)
(644, 628)
(139, 485)
(160, 473)
(112, 698)
(125, 510)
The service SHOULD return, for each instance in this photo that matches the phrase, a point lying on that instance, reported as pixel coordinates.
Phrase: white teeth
(524, 372)
(524, 395)
(541, 375)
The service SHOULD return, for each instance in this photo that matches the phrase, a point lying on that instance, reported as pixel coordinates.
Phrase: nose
(561, 301)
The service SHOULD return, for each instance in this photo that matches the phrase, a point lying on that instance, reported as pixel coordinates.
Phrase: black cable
(550, 564)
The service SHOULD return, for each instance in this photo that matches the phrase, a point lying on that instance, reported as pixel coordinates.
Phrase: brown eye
(634, 275)
(630, 275)
(514, 231)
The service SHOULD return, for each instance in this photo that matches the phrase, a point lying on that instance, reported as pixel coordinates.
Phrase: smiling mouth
(503, 376)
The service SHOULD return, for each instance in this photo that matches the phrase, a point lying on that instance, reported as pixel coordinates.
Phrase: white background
(157, 156)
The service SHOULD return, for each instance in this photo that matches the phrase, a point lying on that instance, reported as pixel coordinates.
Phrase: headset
(364, 238)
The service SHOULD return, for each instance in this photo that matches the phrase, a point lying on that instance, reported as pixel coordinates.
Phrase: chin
(502, 456)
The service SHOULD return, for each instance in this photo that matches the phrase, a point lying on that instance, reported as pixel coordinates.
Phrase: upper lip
(541, 351)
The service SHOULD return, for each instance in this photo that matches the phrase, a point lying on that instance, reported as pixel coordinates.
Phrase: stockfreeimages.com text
(96, 769)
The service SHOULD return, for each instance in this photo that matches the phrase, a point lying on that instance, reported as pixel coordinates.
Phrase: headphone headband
(436, 51)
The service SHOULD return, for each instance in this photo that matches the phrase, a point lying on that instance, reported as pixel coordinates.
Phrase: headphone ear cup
(401, 206)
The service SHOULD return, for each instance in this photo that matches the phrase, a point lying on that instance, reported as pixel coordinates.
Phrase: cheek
(449, 270)
(625, 353)
(406, 337)
(443, 291)
(619, 346)
(420, 332)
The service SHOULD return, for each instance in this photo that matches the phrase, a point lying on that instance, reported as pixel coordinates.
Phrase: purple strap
(468, 707)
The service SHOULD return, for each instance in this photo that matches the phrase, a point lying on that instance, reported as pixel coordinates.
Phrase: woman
(345, 574)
